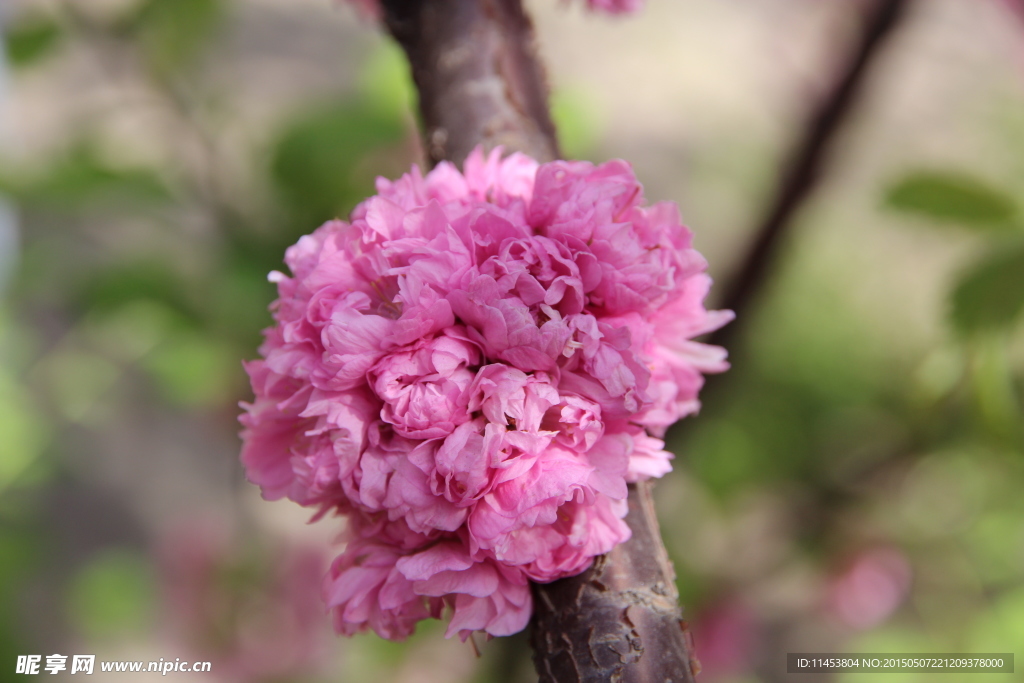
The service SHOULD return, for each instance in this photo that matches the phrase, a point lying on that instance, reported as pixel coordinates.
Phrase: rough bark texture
(801, 172)
(474, 63)
(479, 82)
(620, 620)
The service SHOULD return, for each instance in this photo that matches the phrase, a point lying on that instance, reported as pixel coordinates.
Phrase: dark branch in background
(803, 170)
(1017, 7)
(479, 82)
(475, 66)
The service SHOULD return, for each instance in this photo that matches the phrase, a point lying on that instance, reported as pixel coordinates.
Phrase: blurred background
(853, 484)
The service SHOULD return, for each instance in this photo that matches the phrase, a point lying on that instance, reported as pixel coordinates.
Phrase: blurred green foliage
(990, 294)
(77, 179)
(23, 431)
(987, 297)
(312, 162)
(173, 35)
(113, 595)
(30, 39)
(577, 122)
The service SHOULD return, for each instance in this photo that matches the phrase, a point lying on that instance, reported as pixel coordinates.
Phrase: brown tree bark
(475, 66)
(620, 620)
(479, 81)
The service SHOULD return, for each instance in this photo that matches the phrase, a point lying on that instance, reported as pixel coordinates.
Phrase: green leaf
(31, 39)
(990, 295)
(952, 197)
(173, 33)
(385, 80)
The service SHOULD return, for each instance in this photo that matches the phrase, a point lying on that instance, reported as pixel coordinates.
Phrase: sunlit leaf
(386, 81)
(952, 197)
(991, 294)
(575, 119)
(31, 39)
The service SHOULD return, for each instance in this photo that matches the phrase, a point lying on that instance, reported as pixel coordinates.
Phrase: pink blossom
(424, 388)
(509, 396)
(729, 636)
(394, 476)
(575, 421)
(486, 595)
(471, 369)
(871, 588)
(365, 589)
(567, 546)
(529, 492)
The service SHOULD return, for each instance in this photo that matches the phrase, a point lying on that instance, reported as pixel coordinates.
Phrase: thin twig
(803, 170)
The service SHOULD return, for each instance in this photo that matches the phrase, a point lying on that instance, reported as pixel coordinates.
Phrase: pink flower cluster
(471, 370)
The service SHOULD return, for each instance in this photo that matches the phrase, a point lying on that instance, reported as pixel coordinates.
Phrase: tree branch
(475, 66)
(803, 170)
(620, 620)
